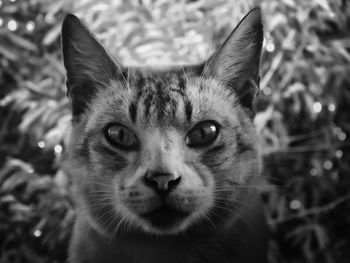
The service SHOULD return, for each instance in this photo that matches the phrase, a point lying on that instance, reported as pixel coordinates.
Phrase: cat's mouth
(164, 217)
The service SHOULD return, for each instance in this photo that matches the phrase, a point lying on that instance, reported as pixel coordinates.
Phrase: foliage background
(303, 112)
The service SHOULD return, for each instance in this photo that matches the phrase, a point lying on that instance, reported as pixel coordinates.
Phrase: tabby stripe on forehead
(147, 102)
(182, 83)
(133, 111)
(173, 108)
(188, 110)
(139, 84)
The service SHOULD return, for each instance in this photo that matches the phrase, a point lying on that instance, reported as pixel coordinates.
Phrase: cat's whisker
(91, 181)
(115, 232)
(271, 179)
(238, 215)
(90, 210)
(98, 203)
(230, 191)
(102, 195)
(99, 216)
(207, 218)
(94, 206)
(185, 74)
(101, 201)
(130, 222)
(232, 202)
(128, 82)
(113, 221)
(257, 187)
(226, 184)
(102, 192)
(262, 188)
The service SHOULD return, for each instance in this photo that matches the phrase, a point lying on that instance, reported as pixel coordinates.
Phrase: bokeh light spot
(317, 107)
(12, 25)
(295, 204)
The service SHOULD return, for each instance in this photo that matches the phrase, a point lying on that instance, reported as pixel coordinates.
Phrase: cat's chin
(165, 219)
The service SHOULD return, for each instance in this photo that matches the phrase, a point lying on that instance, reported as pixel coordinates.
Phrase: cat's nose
(162, 183)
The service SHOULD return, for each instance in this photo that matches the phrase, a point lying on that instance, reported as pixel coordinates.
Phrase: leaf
(52, 35)
(8, 53)
(22, 42)
(16, 180)
(39, 185)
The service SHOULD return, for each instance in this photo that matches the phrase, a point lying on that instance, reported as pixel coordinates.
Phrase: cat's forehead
(160, 98)
(159, 94)
(158, 83)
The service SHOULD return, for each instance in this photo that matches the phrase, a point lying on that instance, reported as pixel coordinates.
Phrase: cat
(164, 160)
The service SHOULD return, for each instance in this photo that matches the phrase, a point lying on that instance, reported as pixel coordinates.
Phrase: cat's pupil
(203, 132)
(121, 135)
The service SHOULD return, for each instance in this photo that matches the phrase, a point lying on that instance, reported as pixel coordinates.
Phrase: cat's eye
(203, 134)
(121, 137)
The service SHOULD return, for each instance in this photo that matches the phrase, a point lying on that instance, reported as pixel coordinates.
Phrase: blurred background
(303, 116)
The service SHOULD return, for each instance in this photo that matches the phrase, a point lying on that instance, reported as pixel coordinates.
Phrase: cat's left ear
(89, 67)
(236, 63)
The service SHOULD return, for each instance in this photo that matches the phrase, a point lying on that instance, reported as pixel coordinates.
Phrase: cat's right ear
(87, 63)
(236, 63)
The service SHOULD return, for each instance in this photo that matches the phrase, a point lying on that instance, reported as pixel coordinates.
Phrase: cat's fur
(217, 215)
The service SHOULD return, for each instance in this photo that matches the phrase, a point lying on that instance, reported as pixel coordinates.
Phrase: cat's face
(162, 150)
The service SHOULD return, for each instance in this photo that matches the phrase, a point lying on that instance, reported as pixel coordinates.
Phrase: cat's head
(165, 149)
